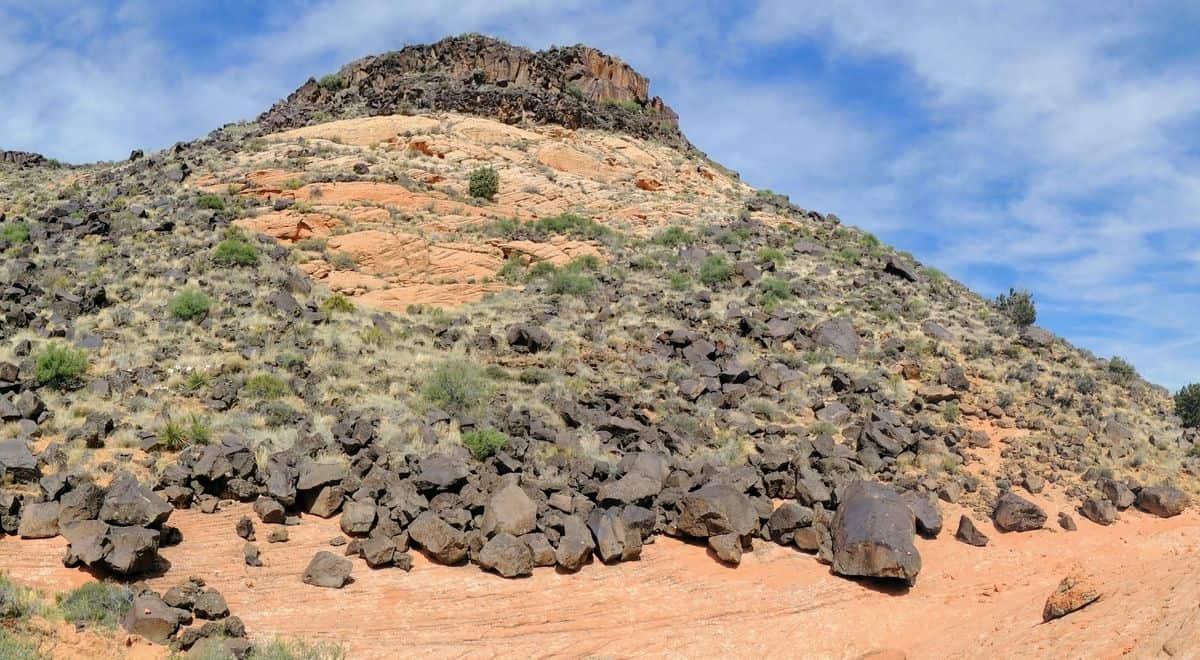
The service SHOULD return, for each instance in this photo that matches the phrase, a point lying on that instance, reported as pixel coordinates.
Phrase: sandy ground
(678, 602)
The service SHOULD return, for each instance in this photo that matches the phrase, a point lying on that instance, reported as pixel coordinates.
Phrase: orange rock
(290, 226)
(1074, 592)
(648, 184)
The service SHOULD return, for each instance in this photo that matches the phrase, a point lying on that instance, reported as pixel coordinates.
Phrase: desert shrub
(714, 270)
(341, 261)
(1187, 405)
(312, 244)
(12, 233)
(512, 269)
(1018, 306)
(235, 251)
(734, 236)
(60, 366)
(293, 184)
(674, 236)
(331, 82)
(291, 649)
(485, 182)
(456, 385)
(265, 386)
(189, 305)
(769, 255)
(849, 255)
(1086, 385)
(211, 201)
(175, 435)
(680, 281)
(19, 648)
(541, 269)
(484, 442)
(337, 303)
(569, 224)
(277, 414)
(17, 601)
(950, 412)
(95, 604)
(1121, 369)
(565, 281)
(773, 290)
(195, 381)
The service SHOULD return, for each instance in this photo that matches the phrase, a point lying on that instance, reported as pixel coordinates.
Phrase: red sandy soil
(677, 601)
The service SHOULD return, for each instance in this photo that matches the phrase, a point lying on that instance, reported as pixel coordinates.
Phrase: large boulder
(506, 555)
(615, 540)
(839, 335)
(444, 543)
(873, 533)
(358, 518)
(87, 542)
(81, 503)
(1099, 510)
(39, 520)
(716, 509)
(510, 511)
(631, 488)
(153, 619)
(129, 503)
(134, 549)
(327, 570)
(968, 533)
(927, 512)
(16, 461)
(1118, 493)
(440, 472)
(1162, 501)
(1014, 513)
(575, 545)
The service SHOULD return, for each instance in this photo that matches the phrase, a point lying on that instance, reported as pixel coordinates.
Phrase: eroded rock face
(575, 86)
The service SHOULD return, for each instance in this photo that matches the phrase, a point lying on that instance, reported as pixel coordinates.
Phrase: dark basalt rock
(873, 532)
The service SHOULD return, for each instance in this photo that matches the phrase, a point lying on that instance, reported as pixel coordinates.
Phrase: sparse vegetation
(337, 303)
(674, 236)
(60, 366)
(176, 435)
(97, 604)
(1121, 370)
(715, 270)
(575, 226)
(485, 183)
(331, 82)
(484, 442)
(291, 649)
(210, 201)
(13, 233)
(1018, 306)
(265, 386)
(1187, 405)
(16, 601)
(235, 251)
(456, 385)
(189, 305)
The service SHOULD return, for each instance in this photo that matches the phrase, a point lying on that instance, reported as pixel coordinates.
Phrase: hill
(325, 312)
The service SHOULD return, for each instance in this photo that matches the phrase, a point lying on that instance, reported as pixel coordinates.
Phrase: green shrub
(176, 435)
(293, 184)
(211, 201)
(290, 649)
(484, 442)
(773, 290)
(12, 233)
(680, 281)
(950, 412)
(512, 269)
(332, 82)
(235, 251)
(341, 261)
(849, 255)
(95, 604)
(485, 182)
(196, 381)
(674, 236)
(714, 270)
(1187, 405)
(455, 385)
(1018, 306)
(60, 366)
(18, 648)
(769, 255)
(17, 601)
(576, 226)
(567, 281)
(1121, 369)
(265, 386)
(337, 303)
(189, 305)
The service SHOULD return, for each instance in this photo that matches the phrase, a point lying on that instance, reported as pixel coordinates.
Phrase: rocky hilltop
(466, 304)
(575, 87)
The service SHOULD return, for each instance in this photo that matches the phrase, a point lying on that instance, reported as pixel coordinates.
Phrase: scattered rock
(969, 534)
(1074, 592)
(1014, 513)
(327, 570)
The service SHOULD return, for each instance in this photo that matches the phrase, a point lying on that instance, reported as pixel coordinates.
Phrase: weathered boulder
(528, 338)
(153, 619)
(16, 461)
(358, 518)
(1162, 501)
(575, 545)
(727, 547)
(439, 472)
(270, 511)
(134, 549)
(87, 542)
(211, 605)
(839, 335)
(786, 519)
(968, 533)
(129, 503)
(506, 555)
(1117, 493)
(1014, 513)
(873, 532)
(327, 570)
(511, 511)
(1075, 592)
(39, 520)
(80, 503)
(927, 513)
(445, 544)
(629, 489)
(378, 551)
(615, 540)
(716, 509)
(1099, 511)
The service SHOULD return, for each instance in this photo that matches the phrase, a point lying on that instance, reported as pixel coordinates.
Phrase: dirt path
(968, 602)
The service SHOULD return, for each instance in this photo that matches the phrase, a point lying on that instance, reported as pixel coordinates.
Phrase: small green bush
(332, 82)
(176, 435)
(715, 270)
(484, 442)
(680, 281)
(18, 648)
(455, 385)
(576, 226)
(512, 269)
(290, 649)
(235, 251)
(1018, 306)
(189, 305)
(568, 282)
(17, 601)
(950, 412)
(337, 303)
(12, 233)
(95, 604)
(773, 290)
(210, 201)
(60, 366)
(341, 261)
(1187, 405)
(265, 386)
(1121, 369)
(196, 381)
(674, 236)
(769, 255)
(849, 255)
(485, 183)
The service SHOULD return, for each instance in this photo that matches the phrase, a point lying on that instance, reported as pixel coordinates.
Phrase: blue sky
(1052, 146)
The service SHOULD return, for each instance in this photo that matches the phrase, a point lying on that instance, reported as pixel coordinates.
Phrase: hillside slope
(312, 309)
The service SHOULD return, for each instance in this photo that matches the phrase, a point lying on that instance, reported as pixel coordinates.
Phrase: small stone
(1075, 592)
